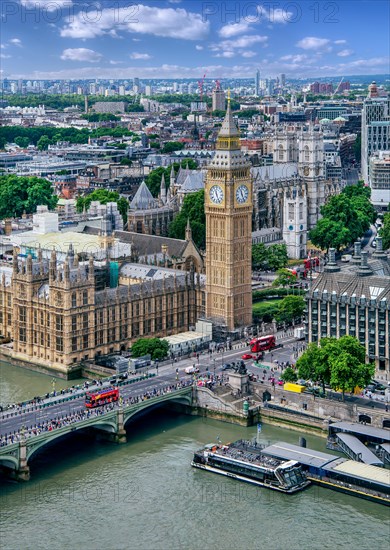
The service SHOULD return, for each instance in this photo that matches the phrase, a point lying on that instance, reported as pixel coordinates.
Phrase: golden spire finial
(228, 96)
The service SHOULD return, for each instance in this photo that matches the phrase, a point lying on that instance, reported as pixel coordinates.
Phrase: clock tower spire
(228, 207)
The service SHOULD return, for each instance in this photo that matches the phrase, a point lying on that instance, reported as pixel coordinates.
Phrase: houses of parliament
(59, 312)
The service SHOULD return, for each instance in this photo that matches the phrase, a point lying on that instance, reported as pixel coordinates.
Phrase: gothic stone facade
(58, 316)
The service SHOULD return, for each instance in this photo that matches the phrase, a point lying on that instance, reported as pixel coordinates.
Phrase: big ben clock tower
(228, 207)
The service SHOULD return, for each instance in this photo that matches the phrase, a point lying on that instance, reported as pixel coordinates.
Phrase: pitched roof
(148, 245)
(229, 127)
(143, 199)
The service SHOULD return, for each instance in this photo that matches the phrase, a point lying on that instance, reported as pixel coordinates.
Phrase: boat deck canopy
(307, 457)
(355, 449)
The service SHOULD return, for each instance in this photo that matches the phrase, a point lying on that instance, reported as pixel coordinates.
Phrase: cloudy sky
(184, 38)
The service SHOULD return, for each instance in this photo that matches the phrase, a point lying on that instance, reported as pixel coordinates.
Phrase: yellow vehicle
(297, 388)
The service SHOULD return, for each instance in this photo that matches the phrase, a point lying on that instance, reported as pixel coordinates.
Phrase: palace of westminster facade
(59, 314)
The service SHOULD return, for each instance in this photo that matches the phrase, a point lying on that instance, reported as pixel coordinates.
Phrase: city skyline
(66, 39)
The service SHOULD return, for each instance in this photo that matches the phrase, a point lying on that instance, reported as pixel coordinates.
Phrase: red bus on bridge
(97, 398)
(263, 343)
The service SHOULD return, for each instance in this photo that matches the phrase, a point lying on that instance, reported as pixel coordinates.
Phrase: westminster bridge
(29, 428)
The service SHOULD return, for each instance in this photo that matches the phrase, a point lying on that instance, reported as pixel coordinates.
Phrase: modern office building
(218, 99)
(375, 127)
(380, 179)
(355, 302)
(257, 83)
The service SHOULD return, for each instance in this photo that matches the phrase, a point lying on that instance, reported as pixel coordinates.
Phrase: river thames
(144, 494)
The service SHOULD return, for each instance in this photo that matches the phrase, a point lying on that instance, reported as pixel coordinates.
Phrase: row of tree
(340, 363)
(345, 218)
(43, 136)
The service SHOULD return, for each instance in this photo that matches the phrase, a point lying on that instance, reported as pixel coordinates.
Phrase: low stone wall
(67, 373)
(329, 410)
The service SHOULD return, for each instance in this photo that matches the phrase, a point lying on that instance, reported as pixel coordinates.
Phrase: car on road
(247, 356)
(191, 370)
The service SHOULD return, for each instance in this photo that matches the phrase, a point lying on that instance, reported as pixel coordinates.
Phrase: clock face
(242, 194)
(216, 194)
(306, 170)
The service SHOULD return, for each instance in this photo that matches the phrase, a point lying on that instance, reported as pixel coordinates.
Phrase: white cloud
(174, 1)
(136, 40)
(199, 48)
(2, 46)
(275, 15)
(232, 29)
(164, 22)
(313, 43)
(248, 53)
(340, 41)
(137, 55)
(299, 58)
(345, 53)
(4, 56)
(112, 62)
(229, 48)
(16, 42)
(48, 6)
(81, 54)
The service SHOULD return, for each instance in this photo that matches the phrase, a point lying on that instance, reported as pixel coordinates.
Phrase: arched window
(74, 299)
(281, 154)
(306, 153)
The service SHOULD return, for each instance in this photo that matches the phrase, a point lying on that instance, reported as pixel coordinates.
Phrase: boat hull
(249, 480)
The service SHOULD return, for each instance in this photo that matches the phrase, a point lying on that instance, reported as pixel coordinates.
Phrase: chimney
(357, 252)
(7, 227)
(379, 252)
(364, 269)
(331, 266)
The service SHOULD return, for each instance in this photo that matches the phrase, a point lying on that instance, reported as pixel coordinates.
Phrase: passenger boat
(243, 460)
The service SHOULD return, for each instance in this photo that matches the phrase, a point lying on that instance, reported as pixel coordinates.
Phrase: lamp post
(53, 383)
(214, 367)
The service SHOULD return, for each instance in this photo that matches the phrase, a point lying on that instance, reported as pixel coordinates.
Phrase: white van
(191, 370)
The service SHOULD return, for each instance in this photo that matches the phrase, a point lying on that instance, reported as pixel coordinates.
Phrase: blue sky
(43, 39)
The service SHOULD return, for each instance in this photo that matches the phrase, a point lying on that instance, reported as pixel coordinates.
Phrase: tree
(171, 146)
(43, 143)
(19, 194)
(193, 210)
(289, 375)
(285, 277)
(312, 365)
(22, 142)
(158, 349)
(385, 231)
(290, 309)
(269, 257)
(126, 161)
(329, 233)
(338, 362)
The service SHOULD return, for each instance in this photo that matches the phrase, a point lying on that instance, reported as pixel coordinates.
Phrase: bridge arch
(364, 418)
(152, 404)
(33, 445)
(8, 461)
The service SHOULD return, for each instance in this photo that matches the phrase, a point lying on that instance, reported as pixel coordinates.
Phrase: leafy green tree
(285, 277)
(329, 233)
(313, 365)
(171, 146)
(269, 257)
(43, 143)
(384, 231)
(290, 309)
(193, 210)
(19, 194)
(158, 349)
(126, 161)
(338, 362)
(22, 142)
(289, 375)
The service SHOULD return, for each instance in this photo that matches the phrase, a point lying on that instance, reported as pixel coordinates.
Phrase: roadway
(209, 365)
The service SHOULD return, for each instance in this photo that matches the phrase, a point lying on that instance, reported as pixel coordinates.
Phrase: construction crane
(337, 88)
(200, 84)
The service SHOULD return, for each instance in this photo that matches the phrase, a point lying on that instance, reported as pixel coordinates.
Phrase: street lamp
(214, 368)
(53, 382)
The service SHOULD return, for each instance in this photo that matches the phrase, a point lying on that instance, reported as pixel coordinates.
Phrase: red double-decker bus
(101, 397)
(263, 343)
